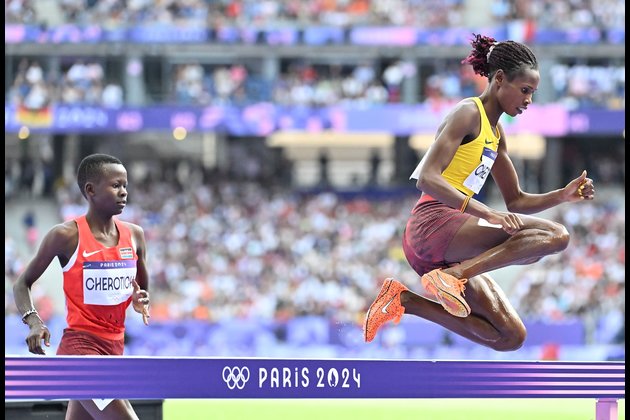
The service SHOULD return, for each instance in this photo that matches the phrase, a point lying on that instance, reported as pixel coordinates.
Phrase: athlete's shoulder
(65, 230)
(464, 113)
(62, 238)
(467, 105)
(465, 108)
(133, 228)
(137, 236)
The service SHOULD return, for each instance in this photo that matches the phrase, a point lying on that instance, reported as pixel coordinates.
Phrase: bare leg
(482, 249)
(86, 409)
(493, 321)
(76, 411)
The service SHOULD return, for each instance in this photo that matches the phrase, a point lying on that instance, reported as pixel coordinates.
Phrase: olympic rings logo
(235, 377)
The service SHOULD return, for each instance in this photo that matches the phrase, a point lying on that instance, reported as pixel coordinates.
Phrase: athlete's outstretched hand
(38, 332)
(581, 188)
(141, 302)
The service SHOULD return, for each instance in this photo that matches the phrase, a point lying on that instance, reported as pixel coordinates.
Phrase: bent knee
(512, 339)
(560, 237)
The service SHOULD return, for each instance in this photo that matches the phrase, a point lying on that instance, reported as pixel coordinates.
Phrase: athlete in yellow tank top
(473, 160)
(464, 237)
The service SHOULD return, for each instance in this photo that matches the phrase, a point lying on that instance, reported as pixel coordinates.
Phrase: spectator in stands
(19, 11)
(30, 229)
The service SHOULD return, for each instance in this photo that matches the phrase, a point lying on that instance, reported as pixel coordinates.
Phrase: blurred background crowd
(343, 13)
(249, 259)
(305, 83)
(300, 82)
(303, 80)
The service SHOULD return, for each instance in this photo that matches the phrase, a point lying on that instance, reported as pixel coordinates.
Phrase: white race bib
(108, 282)
(478, 177)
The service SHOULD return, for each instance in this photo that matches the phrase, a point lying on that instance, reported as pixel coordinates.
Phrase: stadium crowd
(233, 250)
(84, 82)
(222, 249)
(343, 13)
(92, 81)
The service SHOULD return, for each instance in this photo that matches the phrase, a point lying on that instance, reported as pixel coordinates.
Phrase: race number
(478, 177)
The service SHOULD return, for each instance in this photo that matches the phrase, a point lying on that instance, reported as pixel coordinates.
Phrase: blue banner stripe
(158, 378)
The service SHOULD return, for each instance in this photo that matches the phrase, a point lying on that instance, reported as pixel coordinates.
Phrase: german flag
(42, 117)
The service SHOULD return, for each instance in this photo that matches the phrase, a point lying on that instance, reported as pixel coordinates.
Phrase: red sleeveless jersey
(98, 283)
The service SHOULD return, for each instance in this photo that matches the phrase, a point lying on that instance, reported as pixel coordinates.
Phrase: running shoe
(386, 307)
(448, 290)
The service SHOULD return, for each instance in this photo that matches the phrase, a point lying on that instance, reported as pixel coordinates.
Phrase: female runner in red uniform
(104, 271)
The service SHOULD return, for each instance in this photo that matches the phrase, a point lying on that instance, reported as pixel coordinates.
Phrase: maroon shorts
(429, 231)
(82, 343)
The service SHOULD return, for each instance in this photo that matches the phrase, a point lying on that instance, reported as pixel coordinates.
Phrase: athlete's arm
(519, 201)
(60, 242)
(142, 274)
(459, 124)
(464, 122)
(141, 298)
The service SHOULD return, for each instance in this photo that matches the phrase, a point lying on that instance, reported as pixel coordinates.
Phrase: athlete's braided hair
(488, 56)
(91, 167)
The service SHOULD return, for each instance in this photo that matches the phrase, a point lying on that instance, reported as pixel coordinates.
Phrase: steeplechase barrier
(146, 378)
